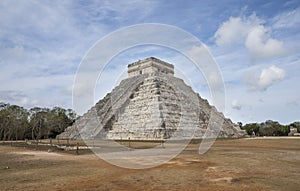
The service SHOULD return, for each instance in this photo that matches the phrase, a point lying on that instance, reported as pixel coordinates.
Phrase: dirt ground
(240, 164)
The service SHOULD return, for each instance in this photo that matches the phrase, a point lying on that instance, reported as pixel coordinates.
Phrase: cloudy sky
(256, 45)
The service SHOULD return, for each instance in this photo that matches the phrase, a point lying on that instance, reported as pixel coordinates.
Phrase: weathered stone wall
(150, 66)
(151, 112)
(151, 106)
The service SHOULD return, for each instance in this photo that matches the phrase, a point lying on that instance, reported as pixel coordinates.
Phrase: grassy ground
(239, 164)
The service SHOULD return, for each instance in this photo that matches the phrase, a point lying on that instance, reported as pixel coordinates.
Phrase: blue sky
(255, 43)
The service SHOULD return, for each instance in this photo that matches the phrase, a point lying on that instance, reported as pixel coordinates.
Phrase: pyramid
(152, 104)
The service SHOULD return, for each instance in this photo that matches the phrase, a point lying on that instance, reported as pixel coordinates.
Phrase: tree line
(269, 128)
(18, 123)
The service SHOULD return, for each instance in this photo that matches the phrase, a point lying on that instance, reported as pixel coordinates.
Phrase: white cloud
(42, 43)
(293, 103)
(266, 78)
(236, 105)
(288, 19)
(111, 13)
(250, 32)
(260, 44)
(17, 97)
(235, 30)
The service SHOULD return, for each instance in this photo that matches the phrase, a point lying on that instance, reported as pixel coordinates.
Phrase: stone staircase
(151, 106)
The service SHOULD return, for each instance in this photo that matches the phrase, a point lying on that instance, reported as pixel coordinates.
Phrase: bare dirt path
(242, 164)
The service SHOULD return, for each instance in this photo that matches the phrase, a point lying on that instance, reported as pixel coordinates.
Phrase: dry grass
(240, 164)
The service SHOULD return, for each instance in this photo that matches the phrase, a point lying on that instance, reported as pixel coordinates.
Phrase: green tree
(46, 123)
(13, 122)
(273, 128)
(38, 121)
(59, 119)
(295, 125)
(251, 128)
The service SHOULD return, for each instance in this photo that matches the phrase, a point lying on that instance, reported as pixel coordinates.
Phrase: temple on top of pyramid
(152, 104)
(152, 66)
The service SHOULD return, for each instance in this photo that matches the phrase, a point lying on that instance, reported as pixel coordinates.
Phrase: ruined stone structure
(151, 104)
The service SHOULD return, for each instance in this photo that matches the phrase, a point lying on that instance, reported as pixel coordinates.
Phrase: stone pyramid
(151, 104)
